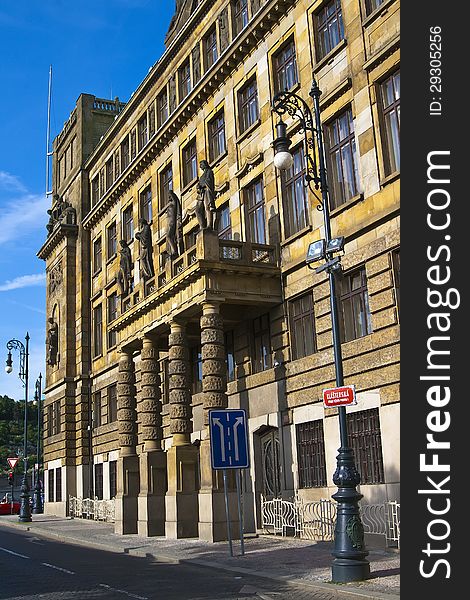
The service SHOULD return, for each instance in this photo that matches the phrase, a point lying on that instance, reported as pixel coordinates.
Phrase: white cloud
(23, 281)
(22, 215)
(11, 182)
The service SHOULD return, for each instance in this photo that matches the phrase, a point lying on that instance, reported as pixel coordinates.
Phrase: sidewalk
(298, 562)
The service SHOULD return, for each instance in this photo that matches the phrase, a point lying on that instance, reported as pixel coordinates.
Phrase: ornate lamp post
(349, 563)
(37, 496)
(25, 508)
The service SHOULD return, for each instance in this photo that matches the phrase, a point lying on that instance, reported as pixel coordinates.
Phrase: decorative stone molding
(180, 412)
(214, 384)
(150, 407)
(126, 404)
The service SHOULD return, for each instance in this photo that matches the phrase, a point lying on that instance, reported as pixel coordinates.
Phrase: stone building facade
(229, 315)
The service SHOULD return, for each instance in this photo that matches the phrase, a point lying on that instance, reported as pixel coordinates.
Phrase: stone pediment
(184, 9)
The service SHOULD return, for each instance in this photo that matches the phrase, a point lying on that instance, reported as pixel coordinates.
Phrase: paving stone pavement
(302, 563)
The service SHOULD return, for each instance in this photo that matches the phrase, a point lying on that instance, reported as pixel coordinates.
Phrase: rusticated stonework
(126, 404)
(178, 368)
(214, 383)
(150, 415)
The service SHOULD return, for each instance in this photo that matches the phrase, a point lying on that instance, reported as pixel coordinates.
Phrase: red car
(9, 508)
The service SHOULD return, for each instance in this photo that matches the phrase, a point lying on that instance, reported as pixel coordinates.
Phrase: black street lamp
(350, 563)
(38, 507)
(25, 508)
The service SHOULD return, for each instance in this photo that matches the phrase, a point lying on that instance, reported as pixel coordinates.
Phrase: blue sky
(99, 47)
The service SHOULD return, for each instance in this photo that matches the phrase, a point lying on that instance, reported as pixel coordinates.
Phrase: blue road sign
(229, 439)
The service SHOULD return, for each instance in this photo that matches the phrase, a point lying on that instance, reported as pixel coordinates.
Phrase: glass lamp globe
(283, 160)
(8, 369)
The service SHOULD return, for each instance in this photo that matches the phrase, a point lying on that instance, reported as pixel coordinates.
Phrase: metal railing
(92, 508)
(316, 520)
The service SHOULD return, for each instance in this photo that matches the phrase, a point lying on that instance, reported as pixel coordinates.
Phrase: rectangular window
(127, 225)
(109, 173)
(396, 275)
(50, 480)
(230, 355)
(311, 454)
(365, 439)
(166, 184)
(143, 132)
(372, 5)
(112, 478)
(262, 358)
(56, 425)
(58, 484)
(97, 330)
(390, 117)
(196, 369)
(329, 28)
(95, 190)
(112, 403)
(354, 311)
(216, 130)
(49, 420)
(184, 78)
(342, 158)
(165, 378)
(97, 409)
(302, 326)
(255, 213)
(248, 112)
(189, 156)
(97, 255)
(162, 108)
(146, 204)
(125, 153)
(111, 241)
(294, 196)
(151, 119)
(112, 315)
(224, 225)
(210, 48)
(99, 481)
(240, 16)
(133, 144)
(285, 68)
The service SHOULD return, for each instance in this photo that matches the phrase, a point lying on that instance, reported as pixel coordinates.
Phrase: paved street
(34, 567)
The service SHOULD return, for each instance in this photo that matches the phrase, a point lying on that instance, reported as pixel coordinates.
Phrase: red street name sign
(12, 462)
(340, 396)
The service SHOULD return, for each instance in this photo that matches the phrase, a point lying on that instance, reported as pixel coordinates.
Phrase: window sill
(295, 88)
(296, 235)
(330, 56)
(248, 131)
(377, 13)
(348, 204)
(111, 259)
(187, 187)
(215, 161)
(390, 178)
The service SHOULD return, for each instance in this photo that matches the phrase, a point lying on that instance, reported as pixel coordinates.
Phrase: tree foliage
(12, 433)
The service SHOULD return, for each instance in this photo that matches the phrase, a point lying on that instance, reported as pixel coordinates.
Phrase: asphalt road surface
(33, 568)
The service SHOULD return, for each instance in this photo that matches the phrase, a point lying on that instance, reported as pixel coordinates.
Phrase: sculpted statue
(174, 229)
(206, 197)
(52, 341)
(144, 235)
(196, 64)
(172, 100)
(223, 29)
(125, 268)
(61, 211)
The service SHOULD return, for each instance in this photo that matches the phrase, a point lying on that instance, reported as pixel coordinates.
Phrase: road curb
(337, 591)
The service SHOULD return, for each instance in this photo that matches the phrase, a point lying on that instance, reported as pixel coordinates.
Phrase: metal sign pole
(227, 512)
(240, 512)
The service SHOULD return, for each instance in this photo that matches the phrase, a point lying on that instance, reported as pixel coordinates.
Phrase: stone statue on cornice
(52, 341)
(144, 235)
(206, 197)
(174, 228)
(125, 268)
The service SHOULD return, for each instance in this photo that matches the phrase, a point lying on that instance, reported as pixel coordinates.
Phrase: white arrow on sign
(221, 430)
(12, 462)
(238, 422)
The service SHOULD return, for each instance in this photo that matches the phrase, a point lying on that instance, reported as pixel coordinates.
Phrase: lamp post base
(25, 507)
(350, 553)
(38, 508)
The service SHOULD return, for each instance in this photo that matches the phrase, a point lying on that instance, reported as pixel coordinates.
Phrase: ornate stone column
(152, 459)
(212, 519)
(128, 462)
(181, 498)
